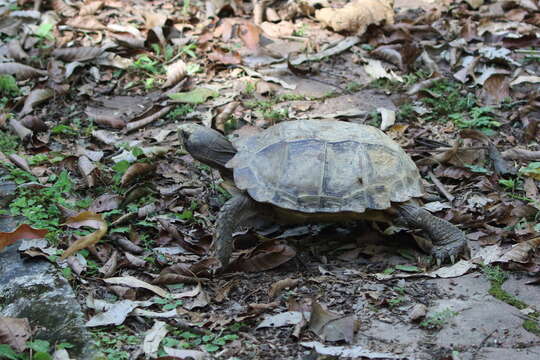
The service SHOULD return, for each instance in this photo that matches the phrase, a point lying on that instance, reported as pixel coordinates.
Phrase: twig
(135, 125)
(482, 343)
(441, 187)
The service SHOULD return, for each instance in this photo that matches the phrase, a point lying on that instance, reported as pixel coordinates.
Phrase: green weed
(437, 320)
(180, 111)
(8, 86)
(8, 143)
(40, 206)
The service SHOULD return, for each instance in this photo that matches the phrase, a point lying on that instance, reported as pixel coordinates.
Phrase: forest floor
(91, 96)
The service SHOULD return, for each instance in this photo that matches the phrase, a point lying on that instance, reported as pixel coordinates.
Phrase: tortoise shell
(324, 166)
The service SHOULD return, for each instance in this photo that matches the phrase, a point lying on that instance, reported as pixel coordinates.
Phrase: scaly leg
(235, 212)
(448, 241)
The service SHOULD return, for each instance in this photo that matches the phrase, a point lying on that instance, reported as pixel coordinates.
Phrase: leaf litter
(98, 89)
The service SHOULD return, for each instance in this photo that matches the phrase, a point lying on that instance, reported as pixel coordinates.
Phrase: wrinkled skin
(212, 148)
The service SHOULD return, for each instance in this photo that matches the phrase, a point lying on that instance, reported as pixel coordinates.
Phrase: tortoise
(318, 171)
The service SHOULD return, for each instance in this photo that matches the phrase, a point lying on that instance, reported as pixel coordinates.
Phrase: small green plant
(62, 129)
(168, 304)
(44, 31)
(36, 350)
(185, 7)
(204, 340)
(145, 63)
(477, 117)
(180, 111)
(532, 169)
(509, 184)
(40, 206)
(301, 32)
(353, 86)
(189, 50)
(250, 87)
(291, 97)
(8, 86)
(112, 343)
(438, 319)
(8, 143)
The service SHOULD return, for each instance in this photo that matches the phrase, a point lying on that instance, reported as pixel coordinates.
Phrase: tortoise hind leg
(448, 241)
(235, 212)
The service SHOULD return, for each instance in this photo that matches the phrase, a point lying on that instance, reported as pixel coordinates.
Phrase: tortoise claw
(452, 259)
(439, 262)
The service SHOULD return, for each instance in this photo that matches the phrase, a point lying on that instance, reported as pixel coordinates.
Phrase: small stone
(418, 312)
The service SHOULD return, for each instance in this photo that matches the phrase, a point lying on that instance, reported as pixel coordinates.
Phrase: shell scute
(325, 166)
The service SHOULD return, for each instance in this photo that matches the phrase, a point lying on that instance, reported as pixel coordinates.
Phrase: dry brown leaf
(15, 332)
(134, 171)
(88, 22)
(24, 231)
(77, 53)
(15, 50)
(90, 219)
(136, 283)
(111, 265)
(21, 71)
(331, 326)
(175, 72)
(227, 58)
(276, 287)
(35, 97)
(106, 202)
(63, 9)
(90, 8)
(266, 256)
(521, 252)
(357, 15)
(250, 35)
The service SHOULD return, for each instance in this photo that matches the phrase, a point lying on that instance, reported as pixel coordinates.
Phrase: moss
(497, 277)
(532, 326)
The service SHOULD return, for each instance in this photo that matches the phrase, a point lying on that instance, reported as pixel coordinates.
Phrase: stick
(441, 187)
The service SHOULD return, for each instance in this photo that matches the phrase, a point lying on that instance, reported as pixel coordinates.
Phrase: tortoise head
(207, 146)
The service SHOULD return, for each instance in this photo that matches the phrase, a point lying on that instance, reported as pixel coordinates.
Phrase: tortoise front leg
(448, 241)
(234, 213)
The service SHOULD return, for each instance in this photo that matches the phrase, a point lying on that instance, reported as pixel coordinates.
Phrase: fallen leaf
(331, 326)
(185, 354)
(114, 315)
(134, 171)
(77, 53)
(24, 231)
(21, 71)
(264, 257)
(15, 332)
(376, 71)
(136, 283)
(357, 15)
(521, 252)
(63, 9)
(90, 219)
(88, 22)
(175, 72)
(153, 338)
(355, 352)
(195, 96)
(276, 287)
(283, 319)
(388, 118)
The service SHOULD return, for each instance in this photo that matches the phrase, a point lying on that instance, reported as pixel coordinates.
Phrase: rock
(7, 190)
(33, 289)
(418, 312)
